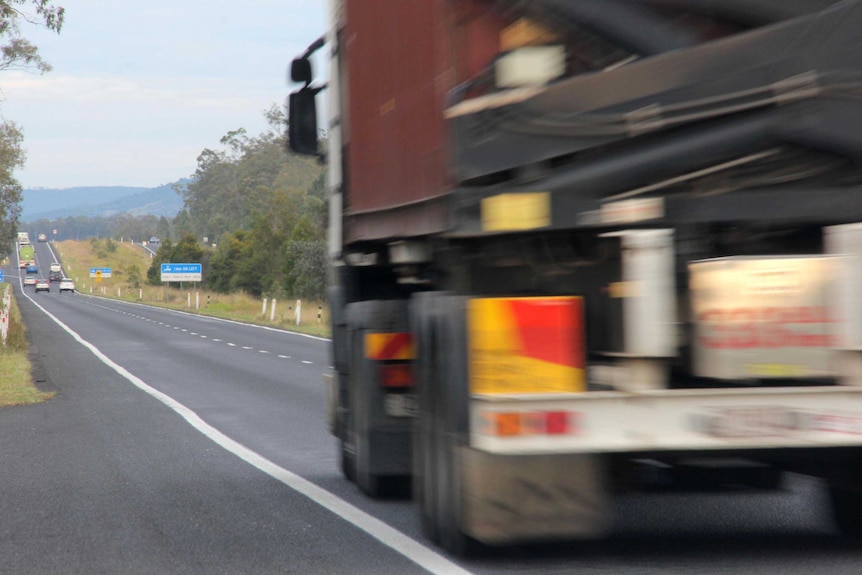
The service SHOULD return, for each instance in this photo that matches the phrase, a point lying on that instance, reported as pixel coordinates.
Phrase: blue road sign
(181, 272)
(100, 272)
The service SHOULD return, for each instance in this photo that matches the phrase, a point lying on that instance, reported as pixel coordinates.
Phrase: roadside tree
(16, 52)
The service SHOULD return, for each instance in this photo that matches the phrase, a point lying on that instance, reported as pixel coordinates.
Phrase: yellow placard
(515, 212)
(525, 345)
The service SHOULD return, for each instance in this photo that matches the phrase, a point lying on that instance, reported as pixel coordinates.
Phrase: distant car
(42, 238)
(67, 284)
(29, 281)
(23, 264)
(43, 285)
(55, 276)
(154, 240)
(32, 269)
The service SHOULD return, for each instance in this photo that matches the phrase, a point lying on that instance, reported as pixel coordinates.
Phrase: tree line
(17, 52)
(257, 215)
(254, 215)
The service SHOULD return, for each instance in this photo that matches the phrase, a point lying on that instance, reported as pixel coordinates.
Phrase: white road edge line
(421, 555)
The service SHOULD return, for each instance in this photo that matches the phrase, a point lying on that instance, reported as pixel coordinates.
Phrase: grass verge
(129, 264)
(16, 385)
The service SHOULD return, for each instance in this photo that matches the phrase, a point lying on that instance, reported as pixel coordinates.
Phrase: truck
(55, 272)
(574, 243)
(26, 255)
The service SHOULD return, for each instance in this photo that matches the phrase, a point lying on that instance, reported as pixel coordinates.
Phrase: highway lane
(225, 372)
(274, 405)
(105, 479)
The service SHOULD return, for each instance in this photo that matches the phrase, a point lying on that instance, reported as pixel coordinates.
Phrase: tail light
(522, 423)
(396, 375)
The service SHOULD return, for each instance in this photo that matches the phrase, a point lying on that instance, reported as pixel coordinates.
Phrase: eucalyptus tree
(16, 52)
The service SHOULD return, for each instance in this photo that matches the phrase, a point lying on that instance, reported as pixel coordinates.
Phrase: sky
(140, 88)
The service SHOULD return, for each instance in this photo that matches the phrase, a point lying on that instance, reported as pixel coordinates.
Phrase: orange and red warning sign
(389, 346)
(526, 345)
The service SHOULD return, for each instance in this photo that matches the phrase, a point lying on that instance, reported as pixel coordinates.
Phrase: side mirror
(302, 122)
(300, 71)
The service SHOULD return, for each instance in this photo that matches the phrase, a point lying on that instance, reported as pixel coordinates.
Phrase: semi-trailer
(570, 240)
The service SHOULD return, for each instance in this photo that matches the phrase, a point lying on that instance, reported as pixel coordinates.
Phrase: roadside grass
(129, 264)
(16, 384)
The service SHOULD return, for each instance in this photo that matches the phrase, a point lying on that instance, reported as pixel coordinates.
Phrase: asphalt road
(181, 444)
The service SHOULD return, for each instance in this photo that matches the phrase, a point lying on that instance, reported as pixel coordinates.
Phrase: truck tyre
(847, 510)
(347, 461)
(358, 463)
(377, 441)
(442, 424)
(424, 489)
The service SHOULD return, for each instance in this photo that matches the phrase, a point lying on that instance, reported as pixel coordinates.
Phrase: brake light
(521, 423)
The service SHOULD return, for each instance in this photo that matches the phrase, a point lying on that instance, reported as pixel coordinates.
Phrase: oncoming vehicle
(29, 281)
(42, 238)
(43, 285)
(154, 240)
(67, 284)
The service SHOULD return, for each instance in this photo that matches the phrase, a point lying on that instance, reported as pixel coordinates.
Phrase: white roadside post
(298, 310)
(180, 272)
(272, 311)
(263, 309)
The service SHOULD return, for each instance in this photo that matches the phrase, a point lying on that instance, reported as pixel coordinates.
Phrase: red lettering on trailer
(769, 328)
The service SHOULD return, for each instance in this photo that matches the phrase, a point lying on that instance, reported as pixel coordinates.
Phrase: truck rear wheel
(442, 422)
(358, 463)
(347, 462)
(375, 439)
(424, 489)
(847, 510)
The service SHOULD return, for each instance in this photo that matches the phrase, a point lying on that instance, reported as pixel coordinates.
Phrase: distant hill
(104, 201)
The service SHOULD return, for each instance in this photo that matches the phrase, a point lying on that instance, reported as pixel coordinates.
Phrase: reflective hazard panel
(389, 346)
(526, 345)
(513, 212)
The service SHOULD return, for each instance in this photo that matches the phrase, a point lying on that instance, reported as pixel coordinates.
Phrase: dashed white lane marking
(423, 556)
(263, 351)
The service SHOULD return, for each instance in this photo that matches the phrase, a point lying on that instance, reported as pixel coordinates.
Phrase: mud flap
(512, 499)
